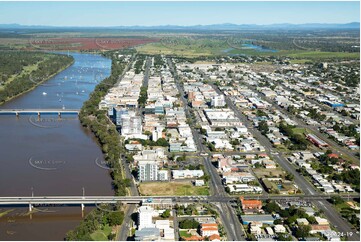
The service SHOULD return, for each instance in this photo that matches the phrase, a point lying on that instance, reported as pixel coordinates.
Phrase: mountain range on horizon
(224, 26)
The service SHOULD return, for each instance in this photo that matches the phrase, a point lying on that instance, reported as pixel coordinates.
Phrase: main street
(229, 218)
(332, 215)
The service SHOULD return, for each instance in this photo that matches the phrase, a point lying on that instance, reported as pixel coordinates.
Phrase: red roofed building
(315, 228)
(215, 237)
(193, 238)
(250, 204)
(333, 155)
(209, 229)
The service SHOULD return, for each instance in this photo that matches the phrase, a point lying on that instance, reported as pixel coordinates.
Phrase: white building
(145, 214)
(182, 174)
(147, 170)
(163, 175)
(218, 101)
(279, 228)
(199, 183)
(131, 124)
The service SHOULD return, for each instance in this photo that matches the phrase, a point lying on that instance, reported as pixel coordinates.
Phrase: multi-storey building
(147, 170)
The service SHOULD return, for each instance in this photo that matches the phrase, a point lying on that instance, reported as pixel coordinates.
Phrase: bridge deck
(138, 199)
(38, 111)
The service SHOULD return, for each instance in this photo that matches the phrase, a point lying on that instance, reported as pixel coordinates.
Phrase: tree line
(108, 137)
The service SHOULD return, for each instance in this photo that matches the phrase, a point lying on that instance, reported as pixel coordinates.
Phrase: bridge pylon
(82, 210)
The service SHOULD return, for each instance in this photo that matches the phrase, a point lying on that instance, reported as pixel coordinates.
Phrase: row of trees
(138, 66)
(160, 142)
(51, 65)
(106, 133)
(143, 96)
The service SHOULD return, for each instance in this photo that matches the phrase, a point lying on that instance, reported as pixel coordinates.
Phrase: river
(51, 156)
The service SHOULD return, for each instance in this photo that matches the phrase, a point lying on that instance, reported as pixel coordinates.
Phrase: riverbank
(99, 124)
(35, 84)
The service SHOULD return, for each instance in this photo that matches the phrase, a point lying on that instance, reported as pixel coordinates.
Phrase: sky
(176, 13)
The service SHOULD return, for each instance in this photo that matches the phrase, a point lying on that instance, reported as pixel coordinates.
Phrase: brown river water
(48, 156)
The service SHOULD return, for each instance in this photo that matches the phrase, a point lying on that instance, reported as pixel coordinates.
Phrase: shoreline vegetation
(45, 70)
(108, 137)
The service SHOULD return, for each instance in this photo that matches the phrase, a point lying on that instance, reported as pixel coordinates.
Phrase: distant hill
(225, 26)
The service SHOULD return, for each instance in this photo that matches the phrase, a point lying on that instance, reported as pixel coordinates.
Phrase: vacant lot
(171, 188)
(264, 173)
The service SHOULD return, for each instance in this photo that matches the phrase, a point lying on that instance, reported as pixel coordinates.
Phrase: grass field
(194, 47)
(171, 188)
(299, 130)
(184, 234)
(179, 50)
(101, 234)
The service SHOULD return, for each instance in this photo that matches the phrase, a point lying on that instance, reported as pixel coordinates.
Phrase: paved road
(129, 209)
(175, 225)
(125, 226)
(125, 69)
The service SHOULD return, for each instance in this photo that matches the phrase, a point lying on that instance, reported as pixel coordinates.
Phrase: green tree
(302, 231)
(336, 200)
(284, 237)
(115, 218)
(271, 207)
(188, 224)
(263, 127)
(166, 214)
